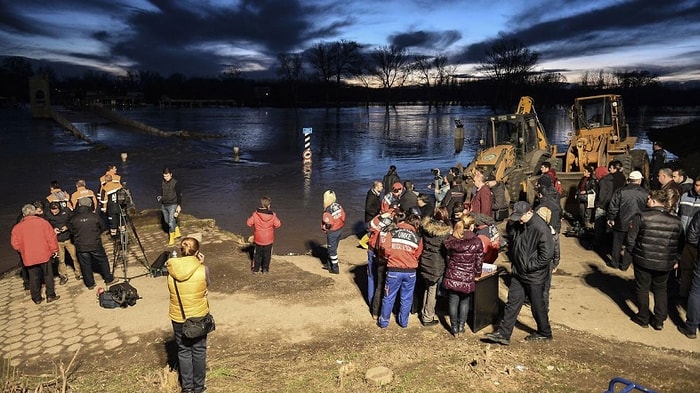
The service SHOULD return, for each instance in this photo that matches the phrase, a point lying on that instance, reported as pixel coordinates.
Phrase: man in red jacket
(35, 240)
(264, 222)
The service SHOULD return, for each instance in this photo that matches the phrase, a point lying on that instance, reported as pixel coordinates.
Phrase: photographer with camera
(440, 186)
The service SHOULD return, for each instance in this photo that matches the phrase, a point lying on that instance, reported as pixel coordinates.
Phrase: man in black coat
(531, 255)
(625, 204)
(653, 243)
(87, 228)
(373, 201)
(614, 180)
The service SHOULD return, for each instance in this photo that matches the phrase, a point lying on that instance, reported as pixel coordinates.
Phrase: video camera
(124, 199)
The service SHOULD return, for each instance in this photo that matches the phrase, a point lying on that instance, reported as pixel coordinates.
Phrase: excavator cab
(517, 130)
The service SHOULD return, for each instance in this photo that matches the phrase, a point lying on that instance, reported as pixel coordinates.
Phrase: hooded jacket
(35, 240)
(550, 200)
(432, 260)
(191, 278)
(264, 222)
(464, 259)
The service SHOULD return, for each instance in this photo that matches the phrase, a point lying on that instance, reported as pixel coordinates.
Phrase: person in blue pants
(402, 247)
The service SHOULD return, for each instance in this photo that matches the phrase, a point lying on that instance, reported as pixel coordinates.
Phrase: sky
(206, 37)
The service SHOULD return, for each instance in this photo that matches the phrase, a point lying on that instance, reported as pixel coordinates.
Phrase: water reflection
(351, 148)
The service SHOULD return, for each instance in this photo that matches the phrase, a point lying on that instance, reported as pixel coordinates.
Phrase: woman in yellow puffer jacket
(192, 279)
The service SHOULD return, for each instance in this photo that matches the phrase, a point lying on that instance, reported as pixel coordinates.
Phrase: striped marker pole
(306, 155)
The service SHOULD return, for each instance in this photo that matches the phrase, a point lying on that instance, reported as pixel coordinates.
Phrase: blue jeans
(371, 273)
(192, 359)
(404, 281)
(169, 216)
(459, 309)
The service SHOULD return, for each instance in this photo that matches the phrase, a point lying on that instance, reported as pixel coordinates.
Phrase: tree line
(344, 73)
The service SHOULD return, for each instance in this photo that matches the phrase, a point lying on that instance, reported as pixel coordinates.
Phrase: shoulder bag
(197, 326)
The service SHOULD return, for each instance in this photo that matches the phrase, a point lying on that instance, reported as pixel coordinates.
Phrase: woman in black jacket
(434, 231)
(465, 253)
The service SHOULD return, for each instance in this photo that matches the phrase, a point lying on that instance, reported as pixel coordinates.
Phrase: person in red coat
(264, 222)
(481, 200)
(35, 240)
(465, 254)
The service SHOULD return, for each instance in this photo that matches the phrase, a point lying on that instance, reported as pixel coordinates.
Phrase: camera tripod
(125, 231)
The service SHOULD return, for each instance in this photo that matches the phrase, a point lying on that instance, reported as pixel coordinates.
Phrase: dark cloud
(437, 40)
(20, 16)
(618, 26)
(180, 39)
(201, 38)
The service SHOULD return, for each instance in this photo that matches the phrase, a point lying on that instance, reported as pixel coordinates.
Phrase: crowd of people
(74, 225)
(420, 247)
(650, 225)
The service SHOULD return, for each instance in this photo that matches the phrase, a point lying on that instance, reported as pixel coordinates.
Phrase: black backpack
(124, 294)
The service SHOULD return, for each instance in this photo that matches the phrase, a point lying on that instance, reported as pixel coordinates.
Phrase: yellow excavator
(513, 147)
(600, 134)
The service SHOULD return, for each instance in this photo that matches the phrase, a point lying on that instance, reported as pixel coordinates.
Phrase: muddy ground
(300, 329)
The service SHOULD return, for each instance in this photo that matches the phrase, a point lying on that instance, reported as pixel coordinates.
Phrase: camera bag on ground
(106, 300)
(124, 294)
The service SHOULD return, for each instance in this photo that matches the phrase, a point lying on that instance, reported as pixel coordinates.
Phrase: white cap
(636, 175)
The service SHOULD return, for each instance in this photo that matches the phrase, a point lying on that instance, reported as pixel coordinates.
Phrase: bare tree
(552, 79)
(508, 60)
(290, 69)
(346, 55)
(290, 66)
(391, 66)
(320, 58)
(636, 78)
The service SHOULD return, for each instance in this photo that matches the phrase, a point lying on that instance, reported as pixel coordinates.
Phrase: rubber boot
(172, 239)
(363, 241)
(177, 231)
